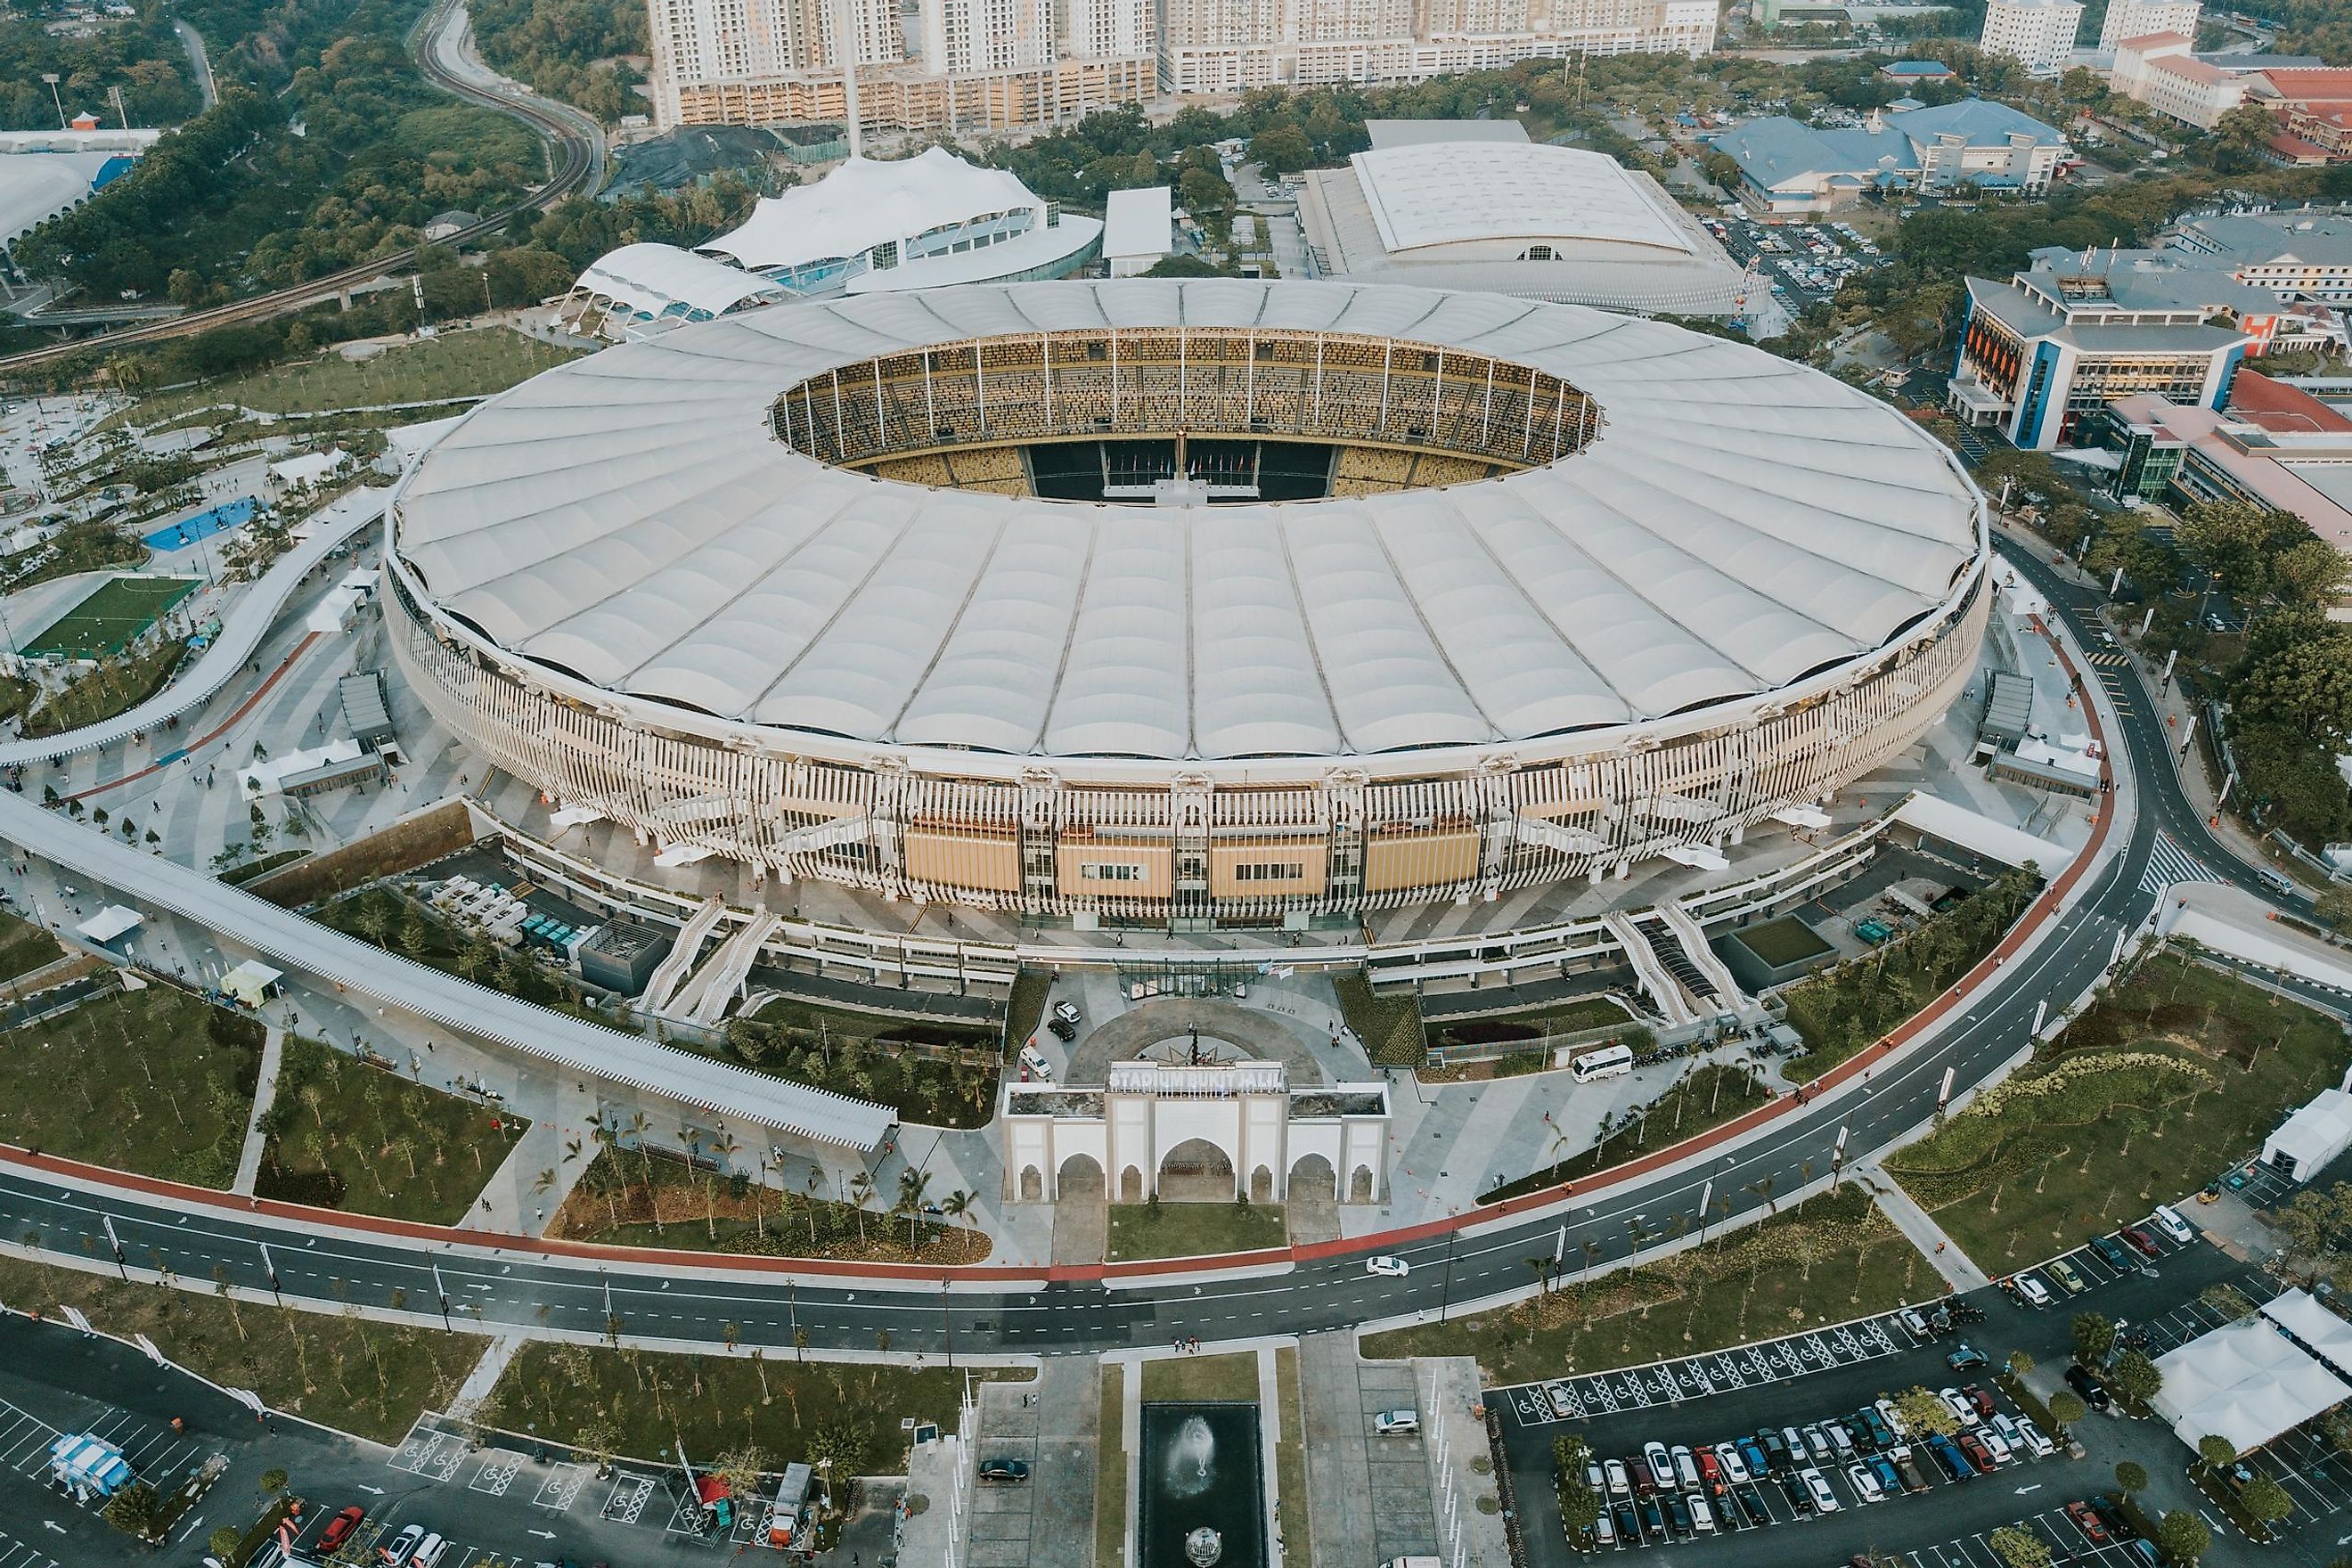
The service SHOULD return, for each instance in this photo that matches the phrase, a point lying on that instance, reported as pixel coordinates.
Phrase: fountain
(1203, 1502)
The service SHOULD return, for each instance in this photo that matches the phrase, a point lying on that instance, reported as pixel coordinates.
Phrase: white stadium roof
(652, 278)
(864, 203)
(1449, 193)
(1738, 522)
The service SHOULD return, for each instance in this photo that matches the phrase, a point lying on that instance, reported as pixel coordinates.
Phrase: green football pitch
(111, 618)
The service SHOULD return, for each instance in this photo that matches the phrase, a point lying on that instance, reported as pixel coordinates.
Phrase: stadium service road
(697, 1300)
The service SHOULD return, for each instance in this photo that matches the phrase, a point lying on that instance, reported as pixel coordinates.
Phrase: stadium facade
(1206, 602)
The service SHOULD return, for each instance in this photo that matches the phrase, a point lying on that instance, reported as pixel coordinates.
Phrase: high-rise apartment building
(2137, 18)
(1001, 63)
(2039, 33)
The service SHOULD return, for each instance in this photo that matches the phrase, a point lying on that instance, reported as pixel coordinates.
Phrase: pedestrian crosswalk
(2169, 863)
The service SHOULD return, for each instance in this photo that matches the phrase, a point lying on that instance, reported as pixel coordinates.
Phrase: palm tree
(374, 921)
(543, 1184)
(911, 1185)
(1762, 1187)
(956, 1204)
(861, 1188)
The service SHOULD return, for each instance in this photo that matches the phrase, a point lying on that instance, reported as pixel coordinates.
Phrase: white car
(1388, 1266)
(2169, 1220)
(1893, 1418)
(1702, 1517)
(1956, 1403)
(1620, 1484)
(1661, 1464)
(1817, 1486)
(1397, 1422)
(2033, 1290)
(1734, 1468)
(2043, 1446)
(1865, 1485)
(1995, 1443)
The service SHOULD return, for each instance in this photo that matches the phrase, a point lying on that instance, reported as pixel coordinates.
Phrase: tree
(2135, 1377)
(223, 1542)
(1579, 1505)
(1281, 149)
(273, 1481)
(2236, 542)
(2308, 573)
(2305, 688)
(2182, 1537)
(2019, 1366)
(1923, 1412)
(2267, 1500)
(2130, 1477)
(2218, 1452)
(2095, 1336)
(1181, 266)
(2019, 1548)
(2334, 907)
(2066, 1407)
(135, 1510)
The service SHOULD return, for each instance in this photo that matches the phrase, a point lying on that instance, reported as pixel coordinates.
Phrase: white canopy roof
(36, 186)
(1738, 523)
(2321, 1332)
(2314, 1136)
(1140, 222)
(2246, 1382)
(864, 203)
(1447, 193)
(110, 923)
(652, 278)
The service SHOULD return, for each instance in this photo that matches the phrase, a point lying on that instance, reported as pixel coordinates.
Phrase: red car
(339, 1529)
(2142, 1243)
(2087, 1522)
(1980, 1398)
(1979, 1455)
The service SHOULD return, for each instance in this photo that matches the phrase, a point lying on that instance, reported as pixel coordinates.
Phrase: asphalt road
(663, 1300)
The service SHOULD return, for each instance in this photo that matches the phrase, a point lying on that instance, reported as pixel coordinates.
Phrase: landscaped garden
(369, 1378)
(115, 686)
(1851, 1007)
(347, 1135)
(1389, 1025)
(633, 1195)
(1828, 1260)
(1153, 1229)
(153, 1080)
(634, 1403)
(451, 364)
(1708, 1097)
(2159, 1086)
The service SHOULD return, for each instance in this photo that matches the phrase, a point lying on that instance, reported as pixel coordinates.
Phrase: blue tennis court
(203, 525)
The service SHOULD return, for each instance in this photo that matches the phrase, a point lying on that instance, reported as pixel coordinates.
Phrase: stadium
(1212, 601)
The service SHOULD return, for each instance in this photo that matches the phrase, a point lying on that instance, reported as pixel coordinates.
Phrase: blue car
(1884, 1469)
(1949, 1458)
(1752, 1453)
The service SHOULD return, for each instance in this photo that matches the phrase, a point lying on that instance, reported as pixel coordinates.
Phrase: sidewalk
(265, 1091)
(1959, 1271)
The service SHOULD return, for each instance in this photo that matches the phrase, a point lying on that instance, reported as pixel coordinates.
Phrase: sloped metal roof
(1738, 522)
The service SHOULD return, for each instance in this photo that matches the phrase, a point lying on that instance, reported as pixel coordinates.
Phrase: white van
(429, 1553)
(1033, 1063)
(2169, 1220)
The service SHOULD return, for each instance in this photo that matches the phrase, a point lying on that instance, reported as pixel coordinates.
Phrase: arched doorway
(1312, 1178)
(1359, 1185)
(1130, 1186)
(1196, 1171)
(1033, 1185)
(1080, 1180)
(1261, 1185)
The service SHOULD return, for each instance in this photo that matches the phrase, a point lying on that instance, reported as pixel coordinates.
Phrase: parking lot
(1804, 263)
(2068, 1542)
(155, 1454)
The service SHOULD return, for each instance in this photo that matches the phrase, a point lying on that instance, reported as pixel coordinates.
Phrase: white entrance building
(1223, 1131)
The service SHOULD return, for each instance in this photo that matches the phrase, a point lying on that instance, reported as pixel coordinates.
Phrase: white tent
(2311, 1137)
(2246, 1382)
(2313, 1328)
(110, 922)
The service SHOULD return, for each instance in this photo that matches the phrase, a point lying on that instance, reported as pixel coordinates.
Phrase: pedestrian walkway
(1959, 1271)
(265, 1092)
(497, 1352)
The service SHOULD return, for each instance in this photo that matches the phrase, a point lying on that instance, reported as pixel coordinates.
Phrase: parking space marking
(15, 1553)
(628, 1498)
(499, 1467)
(562, 1487)
(433, 1455)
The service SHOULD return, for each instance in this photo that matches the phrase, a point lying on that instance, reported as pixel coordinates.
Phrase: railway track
(559, 128)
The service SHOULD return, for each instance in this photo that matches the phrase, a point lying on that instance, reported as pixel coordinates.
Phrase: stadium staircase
(1674, 1002)
(1713, 975)
(673, 969)
(704, 998)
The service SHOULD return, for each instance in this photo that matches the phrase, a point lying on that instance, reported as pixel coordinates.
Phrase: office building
(2137, 18)
(2039, 33)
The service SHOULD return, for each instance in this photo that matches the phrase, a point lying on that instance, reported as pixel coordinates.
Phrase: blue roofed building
(1790, 169)
(1910, 71)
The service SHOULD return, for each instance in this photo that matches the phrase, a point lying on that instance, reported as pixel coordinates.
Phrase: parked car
(429, 1553)
(1865, 1484)
(1906, 1464)
(1949, 1458)
(1629, 1521)
(1985, 1409)
(1889, 1478)
(1710, 1468)
(2068, 1280)
(2169, 1220)
(1702, 1516)
(2094, 1393)
(339, 1529)
(1894, 1419)
(1818, 1486)
(1653, 1518)
(1910, 1319)
(1678, 1512)
(1620, 1483)
(1388, 1265)
(2107, 1248)
(2036, 1442)
(1730, 1465)
(2140, 1241)
(2087, 1523)
(1776, 1449)
(1397, 1422)
(1840, 1439)
(1562, 1402)
(1660, 1464)
(1880, 1435)
(1004, 1469)
(1751, 1456)
(1817, 1445)
(1604, 1532)
(1974, 1447)
(1995, 1443)
(1686, 1468)
(1752, 1506)
(1958, 1404)
(2035, 1292)
(1800, 1496)
(398, 1551)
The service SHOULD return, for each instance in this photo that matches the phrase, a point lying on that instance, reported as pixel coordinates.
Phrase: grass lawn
(112, 687)
(114, 613)
(1110, 1468)
(700, 1210)
(154, 1081)
(2158, 1088)
(25, 947)
(343, 1135)
(370, 1378)
(637, 1402)
(77, 548)
(1186, 1379)
(1191, 1230)
(1846, 1010)
(454, 365)
(1026, 1008)
(1290, 1464)
(1389, 1025)
(1837, 1258)
(1709, 1098)
(1777, 943)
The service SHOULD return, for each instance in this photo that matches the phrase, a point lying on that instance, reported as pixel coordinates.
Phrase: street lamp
(51, 78)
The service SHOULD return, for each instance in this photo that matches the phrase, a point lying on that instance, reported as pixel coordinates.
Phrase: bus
(1609, 1061)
